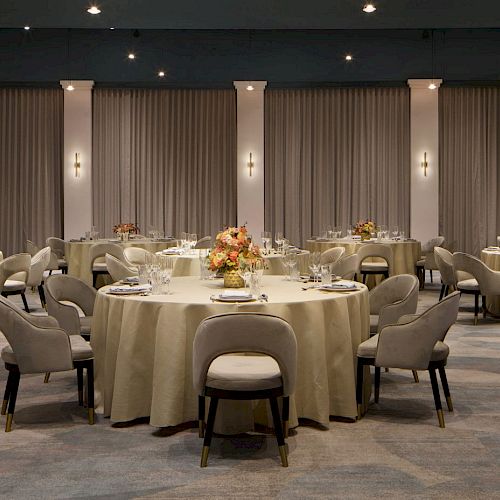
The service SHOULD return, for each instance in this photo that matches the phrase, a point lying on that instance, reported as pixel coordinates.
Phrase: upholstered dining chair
(98, 251)
(39, 263)
(205, 242)
(346, 267)
(38, 345)
(370, 250)
(332, 255)
(244, 377)
(485, 281)
(60, 289)
(415, 343)
(449, 276)
(57, 245)
(427, 261)
(136, 256)
(16, 266)
(118, 270)
(31, 248)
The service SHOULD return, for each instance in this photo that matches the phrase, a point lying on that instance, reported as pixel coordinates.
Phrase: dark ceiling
(251, 14)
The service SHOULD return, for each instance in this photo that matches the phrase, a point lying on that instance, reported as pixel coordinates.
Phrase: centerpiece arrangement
(364, 228)
(124, 230)
(233, 249)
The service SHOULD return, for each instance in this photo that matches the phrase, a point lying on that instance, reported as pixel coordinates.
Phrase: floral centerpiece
(232, 248)
(364, 228)
(125, 229)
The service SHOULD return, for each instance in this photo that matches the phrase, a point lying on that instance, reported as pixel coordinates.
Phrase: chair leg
(201, 416)
(25, 302)
(377, 383)
(79, 379)
(13, 388)
(209, 430)
(441, 294)
(476, 307)
(446, 389)
(285, 414)
(415, 376)
(94, 279)
(437, 399)
(90, 392)
(46, 378)
(364, 278)
(278, 430)
(432, 279)
(41, 294)
(359, 387)
(483, 305)
(6, 395)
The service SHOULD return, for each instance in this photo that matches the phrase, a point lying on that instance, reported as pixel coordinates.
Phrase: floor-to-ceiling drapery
(31, 142)
(336, 155)
(469, 164)
(164, 159)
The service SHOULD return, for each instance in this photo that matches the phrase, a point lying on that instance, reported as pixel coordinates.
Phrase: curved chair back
(39, 346)
(428, 246)
(376, 250)
(18, 263)
(57, 245)
(444, 263)
(487, 279)
(61, 287)
(39, 263)
(205, 242)
(31, 248)
(346, 267)
(409, 345)
(118, 270)
(136, 255)
(332, 255)
(1, 255)
(245, 332)
(101, 249)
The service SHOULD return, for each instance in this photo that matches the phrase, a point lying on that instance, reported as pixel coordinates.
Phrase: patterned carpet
(396, 451)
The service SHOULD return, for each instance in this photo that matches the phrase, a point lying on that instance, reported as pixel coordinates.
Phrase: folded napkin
(236, 294)
(130, 289)
(173, 251)
(131, 279)
(340, 286)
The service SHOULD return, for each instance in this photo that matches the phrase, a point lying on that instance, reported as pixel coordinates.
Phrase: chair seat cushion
(420, 263)
(100, 266)
(85, 324)
(373, 323)
(372, 267)
(62, 263)
(244, 373)
(80, 348)
(14, 286)
(8, 355)
(470, 285)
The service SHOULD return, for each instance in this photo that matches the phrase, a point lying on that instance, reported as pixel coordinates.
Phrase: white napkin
(333, 286)
(135, 288)
(173, 251)
(236, 294)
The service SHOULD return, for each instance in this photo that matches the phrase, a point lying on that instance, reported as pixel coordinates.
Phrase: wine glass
(166, 265)
(192, 238)
(266, 240)
(278, 238)
(395, 232)
(183, 238)
(244, 271)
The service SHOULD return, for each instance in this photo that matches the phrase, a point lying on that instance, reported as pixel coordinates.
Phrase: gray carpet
(396, 451)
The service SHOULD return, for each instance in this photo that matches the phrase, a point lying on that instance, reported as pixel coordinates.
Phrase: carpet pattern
(396, 451)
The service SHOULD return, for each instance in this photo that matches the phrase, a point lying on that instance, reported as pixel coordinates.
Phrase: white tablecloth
(143, 350)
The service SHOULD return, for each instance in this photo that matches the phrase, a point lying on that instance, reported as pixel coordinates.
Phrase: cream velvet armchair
(384, 252)
(118, 270)
(415, 343)
(39, 263)
(16, 267)
(58, 247)
(427, 262)
(346, 267)
(38, 345)
(244, 377)
(449, 276)
(332, 255)
(136, 256)
(98, 251)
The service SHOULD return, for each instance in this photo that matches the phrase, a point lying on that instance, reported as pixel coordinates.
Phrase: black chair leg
(437, 399)
(13, 388)
(41, 293)
(25, 302)
(278, 430)
(432, 279)
(483, 304)
(441, 294)
(364, 277)
(79, 379)
(446, 389)
(90, 392)
(209, 430)
(359, 387)
(94, 279)
(476, 307)
(201, 416)
(286, 415)
(415, 376)
(6, 395)
(377, 383)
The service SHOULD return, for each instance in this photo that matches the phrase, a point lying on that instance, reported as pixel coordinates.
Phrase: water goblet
(278, 238)
(314, 264)
(395, 232)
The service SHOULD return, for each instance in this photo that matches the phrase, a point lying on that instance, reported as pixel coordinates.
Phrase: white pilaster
(250, 112)
(424, 222)
(77, 139)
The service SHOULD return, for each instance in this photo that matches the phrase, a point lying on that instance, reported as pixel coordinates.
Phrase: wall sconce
(77, 164)
(250, 166)
(424, 164)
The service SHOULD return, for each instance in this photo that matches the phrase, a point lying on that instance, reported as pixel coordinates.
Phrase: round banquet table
(77, 253)
(143, 351)
(492, 259)
(406, 253)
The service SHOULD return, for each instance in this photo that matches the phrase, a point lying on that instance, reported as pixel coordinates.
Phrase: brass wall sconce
(250, 165)
(424, 164)
(77, 164)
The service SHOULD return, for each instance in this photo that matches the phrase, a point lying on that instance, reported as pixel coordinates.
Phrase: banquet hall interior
(250, 249)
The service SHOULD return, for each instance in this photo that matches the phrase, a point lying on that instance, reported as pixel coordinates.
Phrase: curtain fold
(164, 159)
(469, 162)
(31, 144)
(334, 156)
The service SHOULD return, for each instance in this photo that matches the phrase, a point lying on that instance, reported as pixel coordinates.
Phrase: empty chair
(57, 245)
(449, 276)
(38, 345)
(39, 263)
(31, 248)
(416, 343)
(61, 288)
(205, 242)
(346, 267)
(371, 250)
(118, 270)
(332, 255)
(485, 281)
(427, 261)
(17, 267)
(244, 377)
(98, 251)
(135, 255)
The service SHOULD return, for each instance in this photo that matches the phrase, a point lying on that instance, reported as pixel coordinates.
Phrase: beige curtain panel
(31, 143)
(469, 163)
(164, 159)
(334, 156)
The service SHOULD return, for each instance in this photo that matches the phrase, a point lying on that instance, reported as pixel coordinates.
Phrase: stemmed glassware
(289, 261)
(315, 264)
(266, 240)
(244, 271)
(192, 239)
(395, 232)
(184, 240)
(278, 238)
(165, 268)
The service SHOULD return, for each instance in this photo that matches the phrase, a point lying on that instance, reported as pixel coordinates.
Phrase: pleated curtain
(164, 159)
(31, 144)
(334, 156)
(469, 163)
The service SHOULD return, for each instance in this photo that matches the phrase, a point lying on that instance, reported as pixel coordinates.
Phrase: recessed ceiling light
(161, 74)
(432, 86)
(250, 87)
(348, 57)
(27, 28)
(369, 8)
(94, 10)
(111, 28)
(70, 88)
(131, 56)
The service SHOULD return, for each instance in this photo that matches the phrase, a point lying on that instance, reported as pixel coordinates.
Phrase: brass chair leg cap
(91, 415)
(441, 418)
(204, 456)
(449, 402)
(284, 458)
(8, 424)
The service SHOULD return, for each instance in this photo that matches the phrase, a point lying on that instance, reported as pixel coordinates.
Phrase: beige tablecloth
(143, 350)
(77, 254)
(492, 259)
